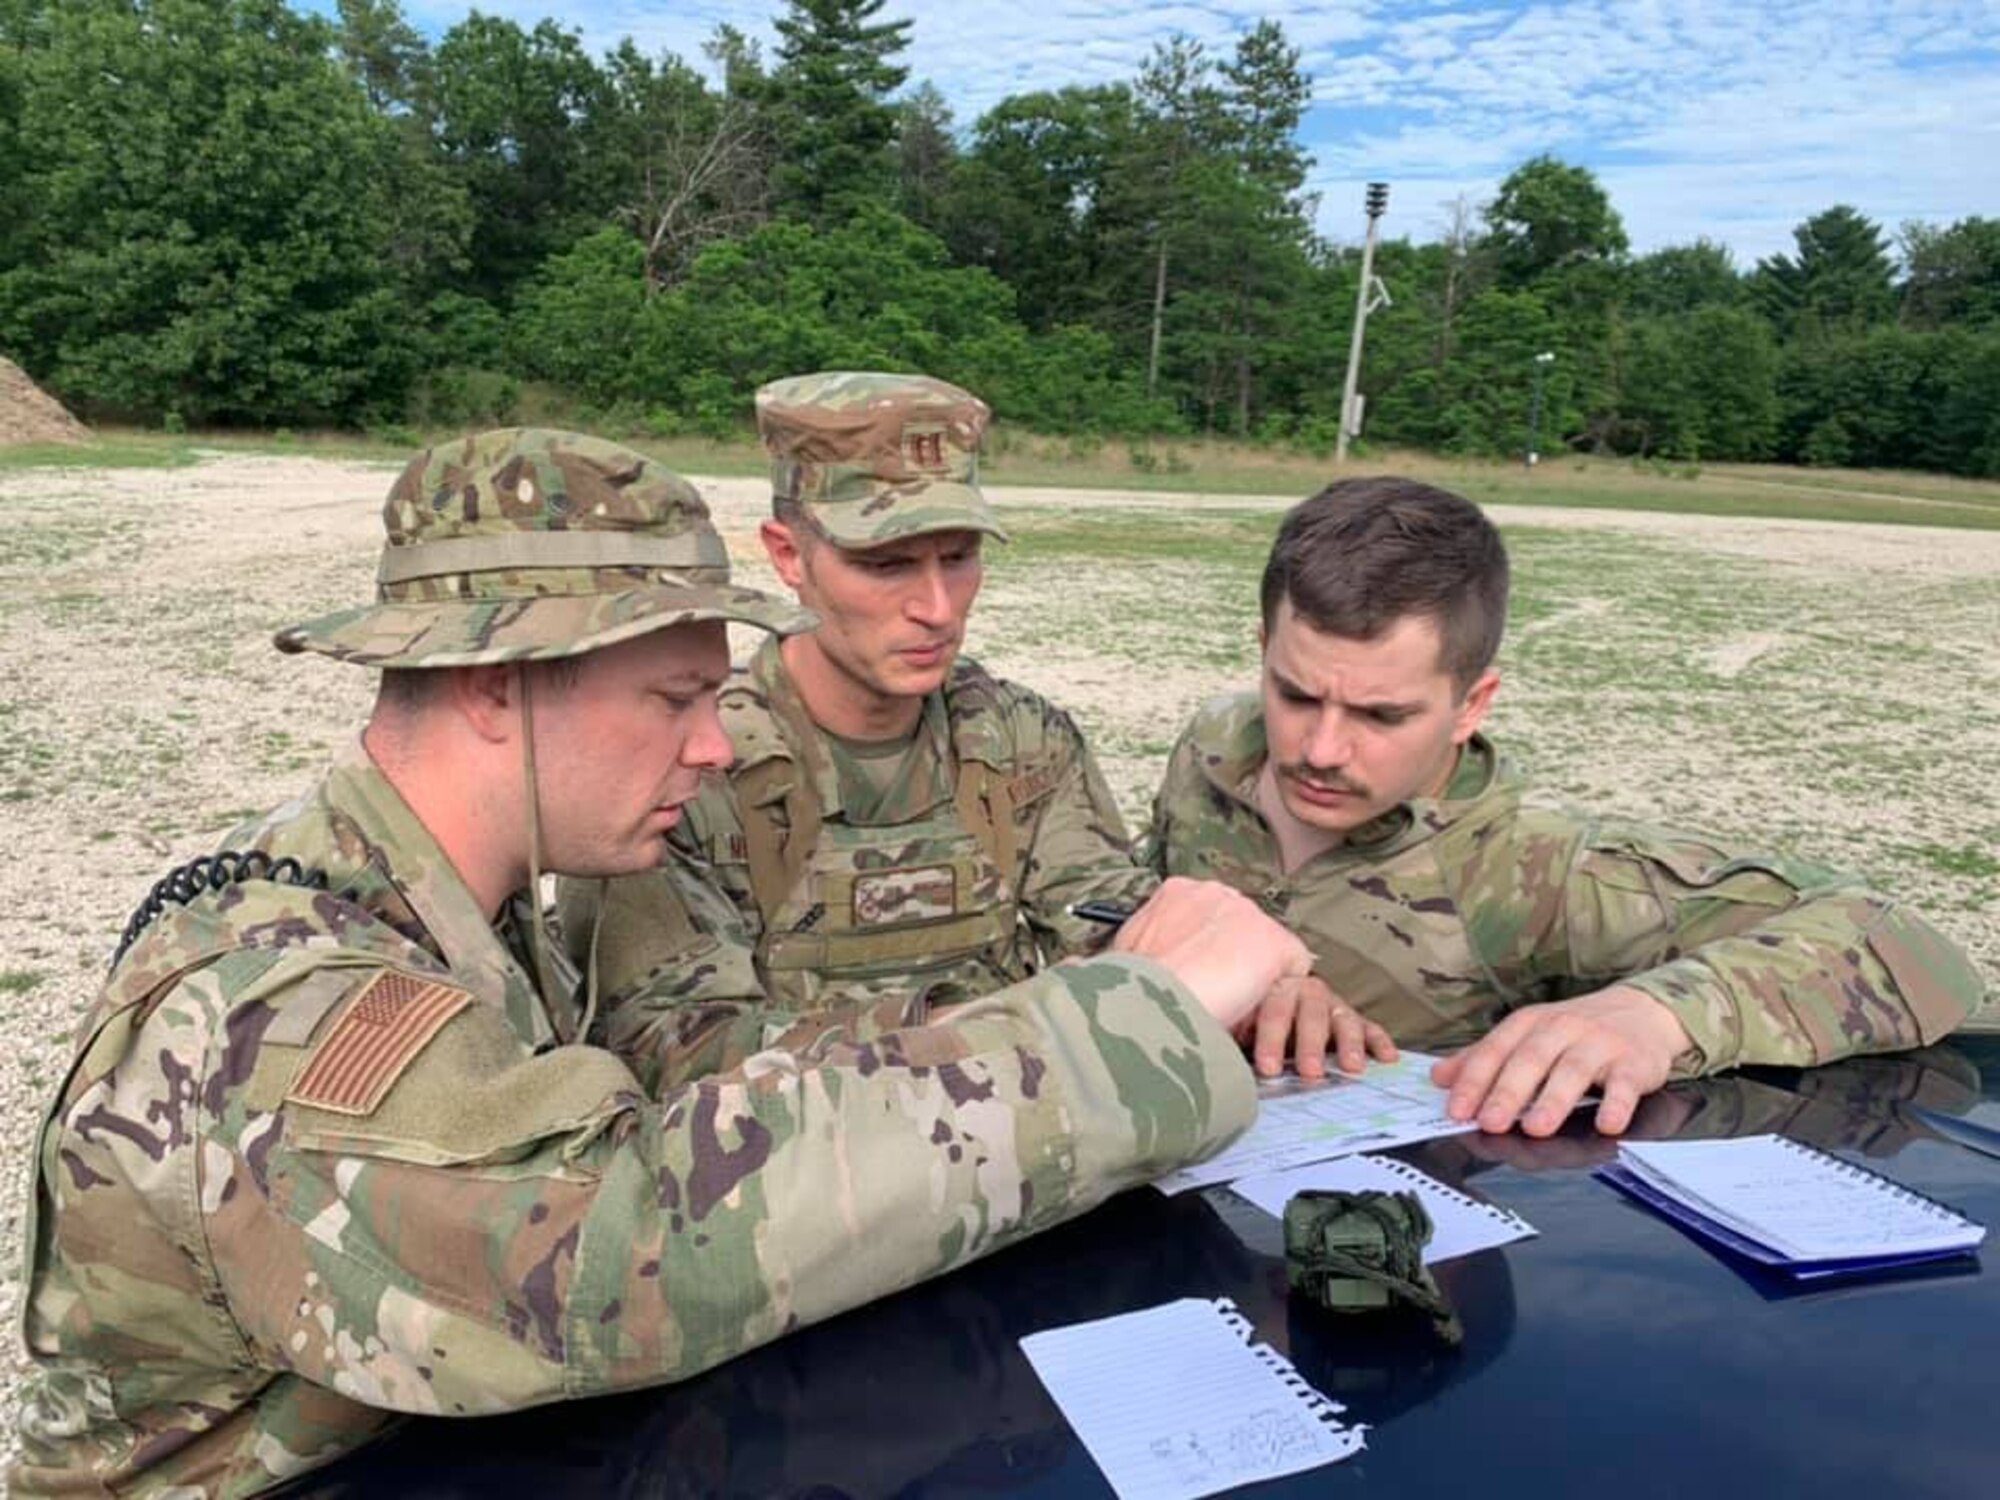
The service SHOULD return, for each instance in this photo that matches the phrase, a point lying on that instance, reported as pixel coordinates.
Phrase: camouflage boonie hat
(523, 544)
(875, 458)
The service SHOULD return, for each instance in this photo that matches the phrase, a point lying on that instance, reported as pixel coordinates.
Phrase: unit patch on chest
(375, 1037)
(916, 894)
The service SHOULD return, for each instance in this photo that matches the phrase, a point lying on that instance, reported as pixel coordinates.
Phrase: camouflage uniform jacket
(1441, 916)
(321, 1158)
(956, 885)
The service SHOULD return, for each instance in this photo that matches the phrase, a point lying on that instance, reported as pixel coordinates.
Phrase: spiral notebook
(1174, 1402)
(1790, 1206)
(1460, 1223)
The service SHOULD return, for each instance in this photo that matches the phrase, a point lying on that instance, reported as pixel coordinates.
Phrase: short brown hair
(413, 689)
(1363, 554)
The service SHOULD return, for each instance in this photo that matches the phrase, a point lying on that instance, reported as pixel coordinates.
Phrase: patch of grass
(1215, 540)
(1904, 483)
(1183, 465)
(1222, 468)
(133, 451)
(1967, 860)
(19, 981)
(41, 544)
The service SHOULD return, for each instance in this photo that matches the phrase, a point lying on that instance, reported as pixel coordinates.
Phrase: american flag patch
(380, 1031)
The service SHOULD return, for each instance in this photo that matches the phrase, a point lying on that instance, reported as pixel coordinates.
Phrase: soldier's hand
(1217, 942)
(1540, 1061)
(1315, 1021)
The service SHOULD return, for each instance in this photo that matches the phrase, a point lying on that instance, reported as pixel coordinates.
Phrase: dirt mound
(28, 414)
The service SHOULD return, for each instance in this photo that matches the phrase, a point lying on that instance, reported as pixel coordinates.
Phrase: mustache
(1326, 781)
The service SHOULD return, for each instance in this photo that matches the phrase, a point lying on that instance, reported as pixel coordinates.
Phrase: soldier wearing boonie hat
(326, 1155)
(899, 824)
(524, 545)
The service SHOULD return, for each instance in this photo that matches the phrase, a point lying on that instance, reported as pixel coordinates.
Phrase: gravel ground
(142, 709)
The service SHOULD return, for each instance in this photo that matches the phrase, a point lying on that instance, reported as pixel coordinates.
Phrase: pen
(1111, 913)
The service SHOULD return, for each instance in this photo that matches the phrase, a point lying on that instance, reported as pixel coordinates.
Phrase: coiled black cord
(211, 872)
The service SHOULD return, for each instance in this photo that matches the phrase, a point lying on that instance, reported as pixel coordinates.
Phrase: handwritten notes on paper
(1790, 1205)
(1174, 1402)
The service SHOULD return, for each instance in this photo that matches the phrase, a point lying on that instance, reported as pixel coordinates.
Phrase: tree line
(228, 212)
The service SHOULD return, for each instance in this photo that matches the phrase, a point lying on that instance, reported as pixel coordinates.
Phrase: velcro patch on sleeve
(385, 1025)
(1033, 784)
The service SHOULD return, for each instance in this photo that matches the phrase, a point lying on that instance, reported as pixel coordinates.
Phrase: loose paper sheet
(1173, 1403)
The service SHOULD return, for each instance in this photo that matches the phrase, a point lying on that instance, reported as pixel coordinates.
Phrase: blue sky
(1733, 119)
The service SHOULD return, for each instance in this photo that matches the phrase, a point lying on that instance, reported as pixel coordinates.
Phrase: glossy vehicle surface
(1609, 1356)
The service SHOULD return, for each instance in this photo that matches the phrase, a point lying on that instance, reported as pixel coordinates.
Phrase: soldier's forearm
(922, 1150)
(1843, 973)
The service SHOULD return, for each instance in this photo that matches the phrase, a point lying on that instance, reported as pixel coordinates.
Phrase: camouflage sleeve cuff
(1702, 1003)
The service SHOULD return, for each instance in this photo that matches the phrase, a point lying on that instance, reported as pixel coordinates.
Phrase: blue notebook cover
(1724, 1238)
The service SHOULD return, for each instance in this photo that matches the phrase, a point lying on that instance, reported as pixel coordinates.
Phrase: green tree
(1478, 402)
(1855, 396)
(1548, 217)
(1681, 278)
(926, 155)
(688, 165)
(1699, 384)
(1264, 100)
(207, 231)
(1953, 274)
(1032, 201)
(582, 321)
(1412, 342)
(740, 61)
(1964, 427)
(1173, 173)
(1840, 281)
(1552, 230)
(830, 100)
(387, 54)
(515, 116)
(432, 225)
(18, 21)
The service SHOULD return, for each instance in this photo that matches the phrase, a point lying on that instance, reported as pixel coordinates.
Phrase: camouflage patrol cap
(523, 544)
(874, 458)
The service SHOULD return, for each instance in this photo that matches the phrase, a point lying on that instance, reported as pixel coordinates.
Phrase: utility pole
(1370, 295)
(1542, 362)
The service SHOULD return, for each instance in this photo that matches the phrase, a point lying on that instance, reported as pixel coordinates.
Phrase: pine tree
(1839, 282)
(830, 102)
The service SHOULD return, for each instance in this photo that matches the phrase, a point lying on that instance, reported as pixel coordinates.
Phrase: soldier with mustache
(1354, 795)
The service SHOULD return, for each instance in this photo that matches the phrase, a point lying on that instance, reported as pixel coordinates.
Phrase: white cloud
(1733, 119)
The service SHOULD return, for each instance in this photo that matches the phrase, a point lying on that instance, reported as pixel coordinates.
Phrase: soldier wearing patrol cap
(900, 826)
(322, 1155)
(1356, 795)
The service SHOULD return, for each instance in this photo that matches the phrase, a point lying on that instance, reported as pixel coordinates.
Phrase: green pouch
(1364, 1252)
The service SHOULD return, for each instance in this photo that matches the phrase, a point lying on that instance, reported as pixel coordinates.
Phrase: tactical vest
(851, 909)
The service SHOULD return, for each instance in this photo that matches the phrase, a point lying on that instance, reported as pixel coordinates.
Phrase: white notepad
(1460, 1224)
(1801, 1203)
(1174, 1402)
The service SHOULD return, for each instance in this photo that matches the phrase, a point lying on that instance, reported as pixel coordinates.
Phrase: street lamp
(1370, 295)
(1542, 362)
